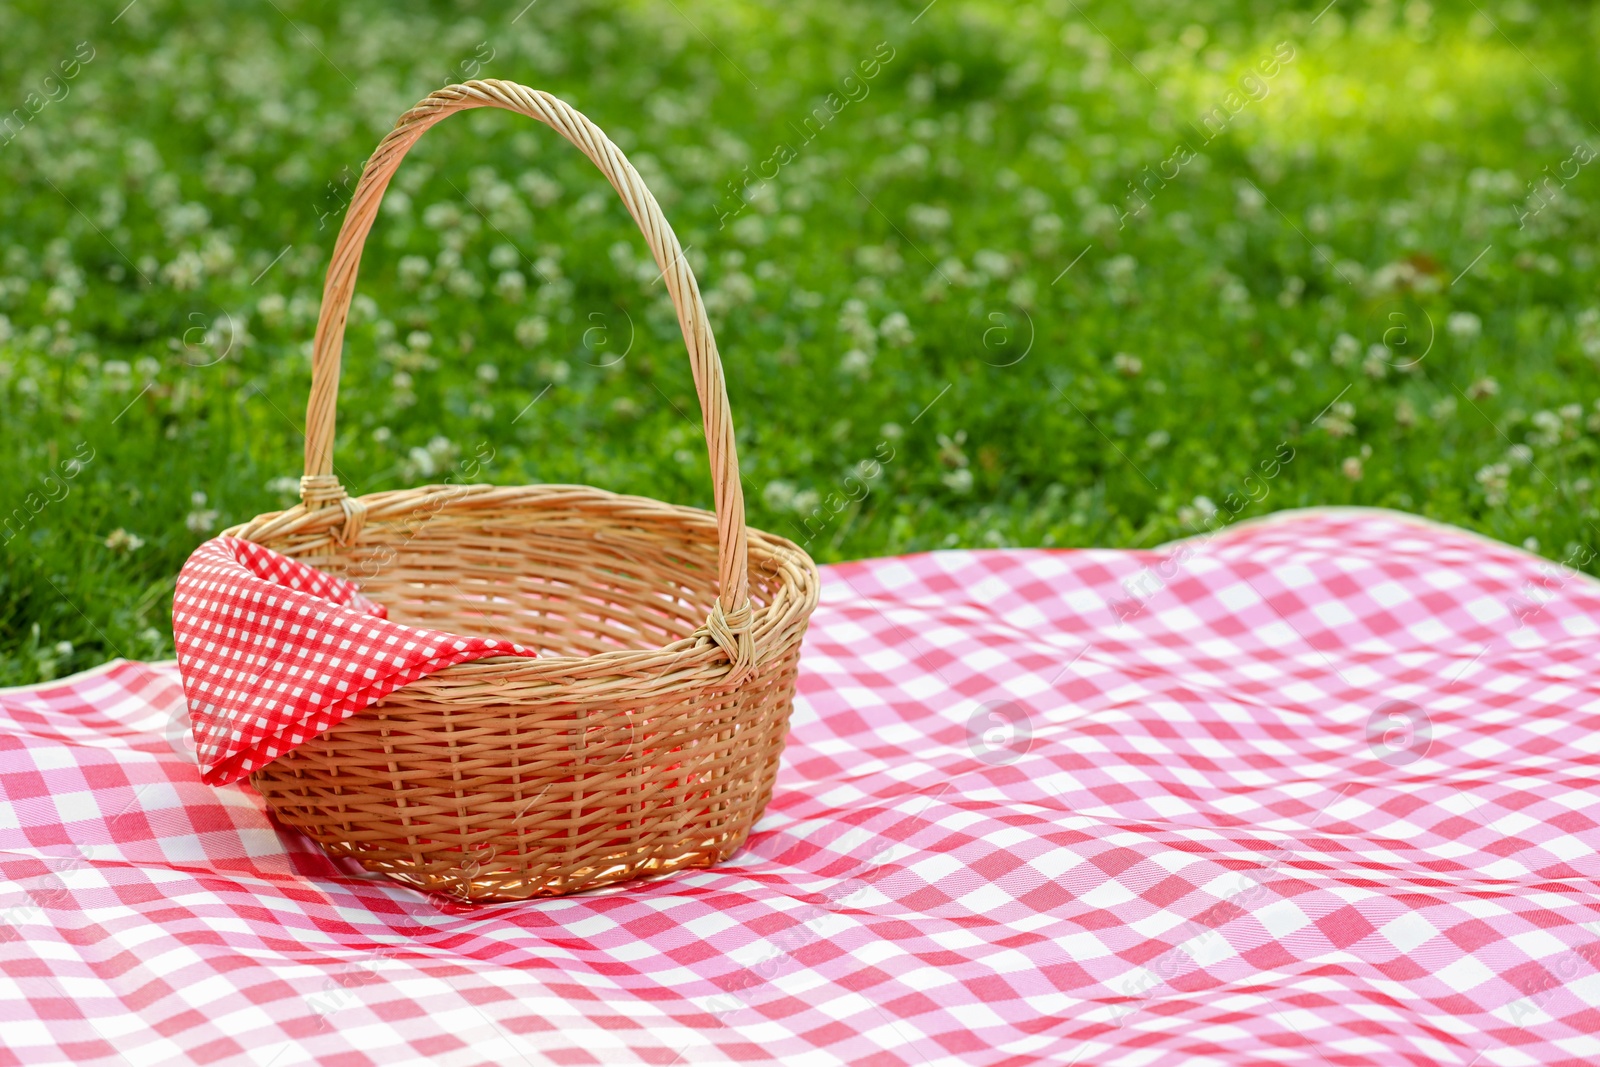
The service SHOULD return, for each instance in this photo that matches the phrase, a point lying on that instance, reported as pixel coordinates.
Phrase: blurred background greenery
(983, 273)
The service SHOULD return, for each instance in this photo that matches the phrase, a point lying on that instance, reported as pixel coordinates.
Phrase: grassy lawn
(1061, 273)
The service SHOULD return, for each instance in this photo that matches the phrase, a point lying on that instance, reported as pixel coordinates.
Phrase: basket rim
(305, 533)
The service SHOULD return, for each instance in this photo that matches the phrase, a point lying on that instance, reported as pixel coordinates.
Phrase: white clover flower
(272, 309)
(59, 301)
(750, 230)
(419, 463)
(217, 255)
(463, 282)
(1544, 438)
(184, 272)
(1392, 277)
(532, 332)
(1588, 324)
(185, 219)
(914, 158)
(540, 188)
(958, 481)
(1099, 220)
(396, 203)
(928, 218)
(488, 373)
(854, 323)
(201, 520)
(439, 453)
(122, 542)
(1294, 287)
(554, 294)
(950, 453)
(414, 270)
(444, 216)
(1024, 293)
(779, 495)
(878, 259)
(994, 264)
(952, 270)
(856, 363)
(511, 285)
(303, 309)
(1548, 421)
(1120, 270)
(1046, 229)
(1463, 325)
(895, 329)
(1495, 479)
(548, 266)
(1339, 420)
(1128, 366)
(504, 257)
(1344, 350)
(1351, 468)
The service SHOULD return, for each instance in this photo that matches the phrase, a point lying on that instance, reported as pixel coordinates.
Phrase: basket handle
(730, 620)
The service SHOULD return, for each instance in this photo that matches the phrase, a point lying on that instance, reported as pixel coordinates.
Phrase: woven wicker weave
(645, 737)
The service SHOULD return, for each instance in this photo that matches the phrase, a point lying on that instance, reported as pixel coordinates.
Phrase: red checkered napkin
(274, 652)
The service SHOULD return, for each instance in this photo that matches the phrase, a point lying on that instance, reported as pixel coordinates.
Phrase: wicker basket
(645, 737)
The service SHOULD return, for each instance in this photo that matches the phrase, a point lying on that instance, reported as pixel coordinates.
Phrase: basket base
(460, 886)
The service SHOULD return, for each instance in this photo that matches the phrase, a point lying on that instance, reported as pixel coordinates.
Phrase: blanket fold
(273, 652)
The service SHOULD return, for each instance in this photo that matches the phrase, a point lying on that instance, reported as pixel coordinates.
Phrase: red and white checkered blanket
(1323, 789)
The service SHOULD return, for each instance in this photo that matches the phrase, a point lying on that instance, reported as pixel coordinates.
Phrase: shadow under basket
(619, 753)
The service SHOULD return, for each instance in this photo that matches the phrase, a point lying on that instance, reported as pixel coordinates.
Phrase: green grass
(169, 214)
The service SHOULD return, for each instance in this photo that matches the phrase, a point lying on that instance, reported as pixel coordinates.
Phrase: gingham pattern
(273, 652)
(1016, 823)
